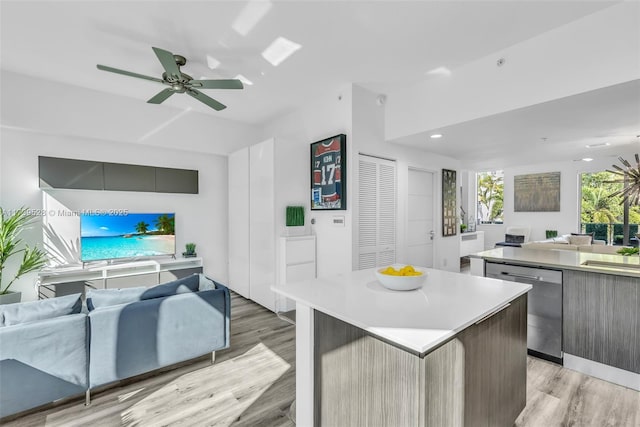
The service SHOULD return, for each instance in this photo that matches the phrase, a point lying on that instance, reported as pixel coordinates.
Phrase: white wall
(568, 219)
(599, 50)
(352, 111)
(293, 135)
(201, 218)
(368, 138)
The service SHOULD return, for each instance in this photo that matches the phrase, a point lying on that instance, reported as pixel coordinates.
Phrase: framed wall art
(328, 174)
(538, 192)
(449, 208)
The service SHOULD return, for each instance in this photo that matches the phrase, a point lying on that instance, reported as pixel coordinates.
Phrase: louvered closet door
(377, 212)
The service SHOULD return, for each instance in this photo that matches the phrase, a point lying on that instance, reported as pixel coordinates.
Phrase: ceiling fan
(180, 82)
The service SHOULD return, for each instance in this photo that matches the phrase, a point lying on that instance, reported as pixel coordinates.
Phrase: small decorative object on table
(399, 277)
(190, 250)
(463, 228)
(551, 233)
(295, 216)
(628, 251)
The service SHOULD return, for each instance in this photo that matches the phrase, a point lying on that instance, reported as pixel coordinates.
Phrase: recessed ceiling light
(279, 50)
(243, 79)
(440, 71)
(587, 159)
(436, 136)
(601, 144)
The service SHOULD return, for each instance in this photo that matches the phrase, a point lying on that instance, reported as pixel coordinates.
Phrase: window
(601, 214)
(490, 197)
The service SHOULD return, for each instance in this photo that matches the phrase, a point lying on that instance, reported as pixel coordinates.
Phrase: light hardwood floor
(253, 384)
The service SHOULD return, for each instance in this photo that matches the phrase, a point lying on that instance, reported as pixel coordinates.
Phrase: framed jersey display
(328, 174)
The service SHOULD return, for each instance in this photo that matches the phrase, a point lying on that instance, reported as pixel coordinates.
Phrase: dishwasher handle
(522, 276)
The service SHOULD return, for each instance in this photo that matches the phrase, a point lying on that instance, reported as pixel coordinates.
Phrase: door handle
(431, 234)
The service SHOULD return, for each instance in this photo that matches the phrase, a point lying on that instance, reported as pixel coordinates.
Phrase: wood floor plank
(253, 384)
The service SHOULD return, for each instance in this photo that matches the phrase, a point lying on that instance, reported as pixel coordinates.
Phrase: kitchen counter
(569, 260)
(410, 351)
(416, 320)
(600, 306)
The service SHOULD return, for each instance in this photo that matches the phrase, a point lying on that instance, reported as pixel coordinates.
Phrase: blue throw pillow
(205, 284)
(180, 286)
(15, 314)
(97, 298)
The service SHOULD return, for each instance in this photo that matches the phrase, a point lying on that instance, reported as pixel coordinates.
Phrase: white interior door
(376, 212)
(420, 231)
(261, 224)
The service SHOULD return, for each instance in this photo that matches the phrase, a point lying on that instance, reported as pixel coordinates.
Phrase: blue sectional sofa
(57, 348)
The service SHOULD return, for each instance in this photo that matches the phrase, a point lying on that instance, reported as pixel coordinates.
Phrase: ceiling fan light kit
(180, 82)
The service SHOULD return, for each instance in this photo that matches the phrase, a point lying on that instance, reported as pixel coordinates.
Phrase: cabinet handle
(521, 276)
(493, 313)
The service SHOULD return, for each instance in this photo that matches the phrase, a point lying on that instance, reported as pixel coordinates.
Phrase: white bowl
(401, 283)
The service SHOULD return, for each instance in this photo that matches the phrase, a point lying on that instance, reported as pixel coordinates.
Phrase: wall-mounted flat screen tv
(131, 235)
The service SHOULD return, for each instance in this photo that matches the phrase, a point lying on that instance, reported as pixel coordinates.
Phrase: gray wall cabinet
(57, 172)
(70, 173)
(601, 318)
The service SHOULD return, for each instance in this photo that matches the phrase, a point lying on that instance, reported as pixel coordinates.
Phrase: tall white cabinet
(252, 223)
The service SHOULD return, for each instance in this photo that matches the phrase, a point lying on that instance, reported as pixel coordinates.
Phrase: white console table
(65, 280)
(471, 243)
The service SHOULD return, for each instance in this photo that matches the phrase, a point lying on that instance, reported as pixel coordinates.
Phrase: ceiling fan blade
(127, 73)
(217, 84)
(206, 100)
(168, 61)
(160, 97)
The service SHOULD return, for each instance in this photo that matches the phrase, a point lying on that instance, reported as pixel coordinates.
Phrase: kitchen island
(598, 299)
(450, 353)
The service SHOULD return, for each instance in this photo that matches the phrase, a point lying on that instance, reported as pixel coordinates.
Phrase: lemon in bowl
(400, 277)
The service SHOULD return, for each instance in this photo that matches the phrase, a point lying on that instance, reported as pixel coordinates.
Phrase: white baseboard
(602, 371)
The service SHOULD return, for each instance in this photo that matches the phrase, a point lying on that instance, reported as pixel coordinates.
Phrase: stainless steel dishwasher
(544, 306)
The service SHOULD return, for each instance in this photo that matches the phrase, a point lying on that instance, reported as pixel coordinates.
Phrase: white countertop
(418, 320)
(564, 259)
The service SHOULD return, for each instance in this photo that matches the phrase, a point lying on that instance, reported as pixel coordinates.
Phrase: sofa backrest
(130, 339)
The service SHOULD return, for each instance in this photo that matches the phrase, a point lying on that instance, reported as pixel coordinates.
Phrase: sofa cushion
(550, 245)
(205, 284)
(97, 298)
(513, 238)
(592, 235)
(15, 314)
(180, 286)
(579, 240)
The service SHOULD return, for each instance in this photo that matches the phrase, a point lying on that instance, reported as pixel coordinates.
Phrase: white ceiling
(551, 131)
(377, 44)
(380, 45)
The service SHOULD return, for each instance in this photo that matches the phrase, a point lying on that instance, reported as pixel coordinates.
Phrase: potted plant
(295, 220)
(190, 250)
(33, 258)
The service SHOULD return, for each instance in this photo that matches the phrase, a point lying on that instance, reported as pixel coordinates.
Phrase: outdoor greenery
(490, 196)
(597, 206)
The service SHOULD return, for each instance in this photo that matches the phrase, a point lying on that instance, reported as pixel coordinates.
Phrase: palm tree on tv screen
(165, 224)
(142, 227)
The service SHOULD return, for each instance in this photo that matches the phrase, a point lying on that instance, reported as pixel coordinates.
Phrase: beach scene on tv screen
(126, 236)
